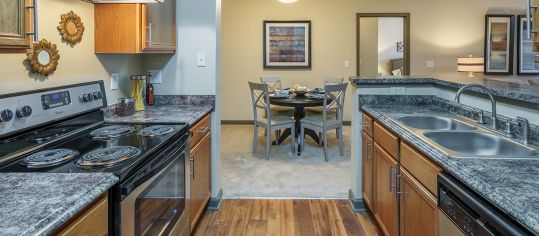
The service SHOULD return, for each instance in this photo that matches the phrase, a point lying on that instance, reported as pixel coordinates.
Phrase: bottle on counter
(137, 87)
(149, 90)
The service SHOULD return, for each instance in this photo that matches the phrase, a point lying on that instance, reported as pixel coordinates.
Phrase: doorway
(383, 44)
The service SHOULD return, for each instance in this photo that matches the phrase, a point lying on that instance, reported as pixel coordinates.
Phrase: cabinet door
(418, 210)
(385, 203)
(200, 179)
(16, 20)
(368, 170)
(159, 33)
(535, 25)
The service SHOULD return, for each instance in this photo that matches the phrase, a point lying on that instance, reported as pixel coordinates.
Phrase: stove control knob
(84, 98)
(24, 111)
(90, 97)
(97, 95)
(6, 115)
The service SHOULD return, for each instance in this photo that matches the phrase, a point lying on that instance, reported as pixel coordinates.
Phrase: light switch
(114, 81)
(346, 64)
(201, 59)
(430, 64)
(156, 77)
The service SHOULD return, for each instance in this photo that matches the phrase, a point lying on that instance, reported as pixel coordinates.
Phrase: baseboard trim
(250, 122)
(215, 203)
(357, 204)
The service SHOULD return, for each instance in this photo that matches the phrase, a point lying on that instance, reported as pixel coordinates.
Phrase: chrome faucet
(522, 122)
(489, 93)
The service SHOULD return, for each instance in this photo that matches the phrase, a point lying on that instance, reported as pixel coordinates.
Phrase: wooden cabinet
(368, 170)
(385, 203)
(135, 28)
(200, 164)
(418, 208)
(535, 26)
(424, 170)
(386, 139)
(92, 221)
(16, 25)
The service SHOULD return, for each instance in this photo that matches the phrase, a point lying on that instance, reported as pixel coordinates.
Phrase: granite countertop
(505, 89)
(511, 185)
(40, 203)
(165, 114)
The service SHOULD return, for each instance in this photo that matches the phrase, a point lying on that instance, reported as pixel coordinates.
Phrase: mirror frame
(67, 18)
(33, 57)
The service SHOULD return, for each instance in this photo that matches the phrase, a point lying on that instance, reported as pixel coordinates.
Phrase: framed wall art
(287, 44)
(527, 59)
(499, 30)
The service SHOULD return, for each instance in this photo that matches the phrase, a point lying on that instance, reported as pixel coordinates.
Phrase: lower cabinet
(385, 203)
(368, 170)
(93, 221)
(200, 179)
(418, 208)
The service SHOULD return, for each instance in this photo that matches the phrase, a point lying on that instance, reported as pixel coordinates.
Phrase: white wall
(390, 31)
(196, 32)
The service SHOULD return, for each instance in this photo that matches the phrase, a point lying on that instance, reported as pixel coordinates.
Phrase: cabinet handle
(203, 130)
(149, 28)
(365, 125)
(192, 160)
(369, 145)
(390, 172)
(397, 183)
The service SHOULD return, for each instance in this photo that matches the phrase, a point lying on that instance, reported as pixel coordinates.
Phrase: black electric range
(62, 130)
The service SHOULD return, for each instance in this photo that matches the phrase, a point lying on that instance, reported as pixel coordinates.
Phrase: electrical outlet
(157, 78)
(114, 81)
(398, 91)
(346, 64)
(430, 64)
(201, 59)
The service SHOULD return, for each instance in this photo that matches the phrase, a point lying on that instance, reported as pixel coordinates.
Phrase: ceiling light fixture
(288, 1)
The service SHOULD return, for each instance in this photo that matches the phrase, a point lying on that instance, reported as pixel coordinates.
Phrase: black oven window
(160, 206)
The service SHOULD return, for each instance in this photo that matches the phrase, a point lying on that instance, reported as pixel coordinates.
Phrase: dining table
(299, 102)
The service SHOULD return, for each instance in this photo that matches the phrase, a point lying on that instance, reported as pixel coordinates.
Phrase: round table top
(297, 101)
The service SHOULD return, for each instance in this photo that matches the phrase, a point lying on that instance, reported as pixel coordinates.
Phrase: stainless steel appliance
(62, 130)
(463, 212)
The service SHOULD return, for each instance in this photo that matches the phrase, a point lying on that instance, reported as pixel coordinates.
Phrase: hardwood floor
(285, 217)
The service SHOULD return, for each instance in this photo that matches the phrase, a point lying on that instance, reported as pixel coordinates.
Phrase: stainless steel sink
(433, 123)
(475, 144)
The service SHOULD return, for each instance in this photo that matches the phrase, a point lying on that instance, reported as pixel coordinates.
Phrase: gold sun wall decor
(71, 28)
(43, 57)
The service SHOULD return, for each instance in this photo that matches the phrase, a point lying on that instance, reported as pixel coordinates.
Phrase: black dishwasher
(470, 213)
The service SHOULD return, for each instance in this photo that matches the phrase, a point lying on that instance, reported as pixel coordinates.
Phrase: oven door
(157, 206)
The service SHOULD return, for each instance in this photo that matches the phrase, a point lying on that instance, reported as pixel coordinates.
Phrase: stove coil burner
(108, 156)
(111, 131)
(42, 136)
(49, 158)
(155, 130)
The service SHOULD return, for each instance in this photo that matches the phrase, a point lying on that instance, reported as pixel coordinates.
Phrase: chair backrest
(334, 100)
(333, 80)
(274, 83)
(260, 98)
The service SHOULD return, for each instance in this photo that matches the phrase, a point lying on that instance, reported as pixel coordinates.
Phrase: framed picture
(287, 44)
(527, 59)
(499, 31)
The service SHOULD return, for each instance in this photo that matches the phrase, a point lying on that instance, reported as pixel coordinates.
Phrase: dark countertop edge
(69, 213)
(201, 115)
(421, 146)
(510, 91)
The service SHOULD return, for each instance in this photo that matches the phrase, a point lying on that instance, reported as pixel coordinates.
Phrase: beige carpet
(248, 175)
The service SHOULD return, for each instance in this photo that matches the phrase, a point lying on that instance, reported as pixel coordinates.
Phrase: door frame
(406, 19)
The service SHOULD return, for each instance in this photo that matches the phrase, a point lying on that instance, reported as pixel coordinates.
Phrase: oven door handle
(143, 175)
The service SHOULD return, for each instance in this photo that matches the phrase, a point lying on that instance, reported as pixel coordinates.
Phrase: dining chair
(333, 80)
(275, 83)
(333, 102)
(328, 80)
(272, 122)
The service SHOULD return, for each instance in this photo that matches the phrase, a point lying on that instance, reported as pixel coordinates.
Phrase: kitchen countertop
(506, 89)
(511, 185)
(40, 203)
(165, 114)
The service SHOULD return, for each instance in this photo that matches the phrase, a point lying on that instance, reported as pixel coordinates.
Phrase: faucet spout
(489, 93)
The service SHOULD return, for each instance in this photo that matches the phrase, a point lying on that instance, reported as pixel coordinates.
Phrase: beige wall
(440, 31)
(368, 46)
(77, 64)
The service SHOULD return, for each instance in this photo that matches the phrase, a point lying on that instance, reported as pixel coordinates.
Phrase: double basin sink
(459, 137)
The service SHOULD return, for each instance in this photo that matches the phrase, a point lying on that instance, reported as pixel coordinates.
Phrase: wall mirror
(43, 57)
(71, 27)
(383, 47)
(17, 21)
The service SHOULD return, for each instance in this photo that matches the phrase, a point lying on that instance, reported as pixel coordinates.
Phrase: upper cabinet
(534, 14)
(16, 25)
(135, 28)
